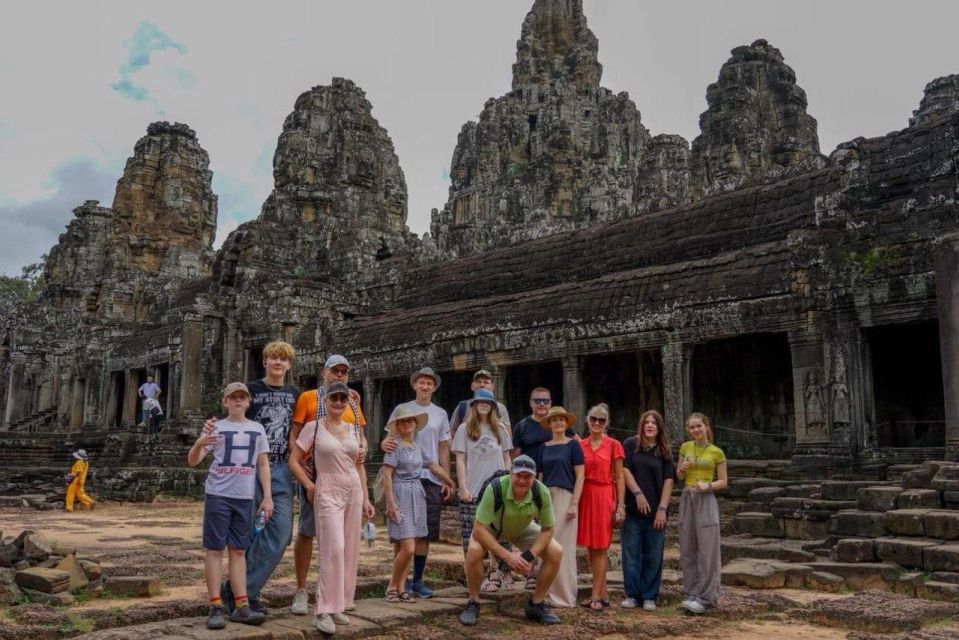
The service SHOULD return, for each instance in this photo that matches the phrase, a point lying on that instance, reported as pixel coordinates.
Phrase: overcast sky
(80, 81)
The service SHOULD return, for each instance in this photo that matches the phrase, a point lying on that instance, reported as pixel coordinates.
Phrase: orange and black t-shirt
(305, 410)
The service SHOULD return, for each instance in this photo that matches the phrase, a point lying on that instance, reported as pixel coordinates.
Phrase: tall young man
(528, 436)
(272, 401)
(310, 406)
(435, 440)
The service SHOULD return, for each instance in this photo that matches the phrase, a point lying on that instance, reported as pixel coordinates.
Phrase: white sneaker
(694, 607)
(350, 607)
(340, 618)
(325, 623)
(301, 603)
(649, 605)
(628, 603)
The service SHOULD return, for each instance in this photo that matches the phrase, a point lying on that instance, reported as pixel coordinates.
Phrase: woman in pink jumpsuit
(340, 501)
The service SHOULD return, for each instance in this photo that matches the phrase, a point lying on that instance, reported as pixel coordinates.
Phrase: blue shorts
(226, 522)
(307, 516)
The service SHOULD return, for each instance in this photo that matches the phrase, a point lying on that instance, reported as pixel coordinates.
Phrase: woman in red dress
(602, 499)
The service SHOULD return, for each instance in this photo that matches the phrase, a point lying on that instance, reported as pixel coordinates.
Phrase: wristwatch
(527, 556)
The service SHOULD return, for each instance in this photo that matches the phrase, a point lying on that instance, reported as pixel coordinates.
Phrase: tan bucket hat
(403, 413)
(557, 411)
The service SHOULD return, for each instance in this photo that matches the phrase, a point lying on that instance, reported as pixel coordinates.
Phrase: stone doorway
(629, 383)
(906, 368)
(118, 385)
(744, 384)
(521, 379)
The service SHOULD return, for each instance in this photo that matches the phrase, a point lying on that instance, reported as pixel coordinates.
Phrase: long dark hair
(662, 442)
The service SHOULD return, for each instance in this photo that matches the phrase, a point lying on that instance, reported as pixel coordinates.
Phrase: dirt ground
(163, 539)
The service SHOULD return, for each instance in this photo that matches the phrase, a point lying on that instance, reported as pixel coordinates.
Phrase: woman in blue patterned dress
(405, 497)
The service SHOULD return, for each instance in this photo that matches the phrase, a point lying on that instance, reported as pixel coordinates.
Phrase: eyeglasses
(541, 400)
(597, 420)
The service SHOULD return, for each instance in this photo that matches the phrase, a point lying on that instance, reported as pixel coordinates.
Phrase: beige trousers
(563, 593)
(699, 548)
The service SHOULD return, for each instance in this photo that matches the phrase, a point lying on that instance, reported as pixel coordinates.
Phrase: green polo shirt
(517, 515)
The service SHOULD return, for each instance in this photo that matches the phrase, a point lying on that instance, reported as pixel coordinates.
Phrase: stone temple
(808, 302)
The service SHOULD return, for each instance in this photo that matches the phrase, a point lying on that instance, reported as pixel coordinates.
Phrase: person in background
(407, 509)
(561, 470)
(77, 480)
(703, 467)
(148, 389)
(602, 500)
(648, 473)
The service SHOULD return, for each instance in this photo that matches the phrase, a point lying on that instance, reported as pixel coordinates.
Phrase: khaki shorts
(525, 539)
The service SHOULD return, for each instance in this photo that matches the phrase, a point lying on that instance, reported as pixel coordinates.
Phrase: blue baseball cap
(484, 395)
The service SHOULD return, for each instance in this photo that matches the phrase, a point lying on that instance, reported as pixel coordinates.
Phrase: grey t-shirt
(233, 471)
(437, 430)
(483, 456)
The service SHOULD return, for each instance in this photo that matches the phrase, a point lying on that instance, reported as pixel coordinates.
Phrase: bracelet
(637, 493)
(663, 509)
(527, 556)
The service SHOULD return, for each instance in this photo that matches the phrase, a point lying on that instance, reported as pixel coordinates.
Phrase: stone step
(759, 524)
(133, 586)
(933, 523)
(846, 489)
(739, 488)
(919, 499)
(747, 546)
(44, 580)
(906, 552)
(878, 498)
(853, 522)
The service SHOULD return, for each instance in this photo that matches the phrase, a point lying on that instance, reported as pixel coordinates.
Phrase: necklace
(271, 387)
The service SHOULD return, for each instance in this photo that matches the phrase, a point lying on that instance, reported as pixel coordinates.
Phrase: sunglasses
(541, 401)
(337, 398)
(597, 420)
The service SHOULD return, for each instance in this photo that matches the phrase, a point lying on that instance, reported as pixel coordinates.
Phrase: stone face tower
(755, 126)
(114, 263)
(558, 152)
(339, 198)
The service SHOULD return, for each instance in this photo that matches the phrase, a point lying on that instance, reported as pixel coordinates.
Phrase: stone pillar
(12, 411)
(574, 389)
(373, 410)
(191, 381)
(677, 389)
(947, 287)
(130, 397)
(77, 402)
(499, 382)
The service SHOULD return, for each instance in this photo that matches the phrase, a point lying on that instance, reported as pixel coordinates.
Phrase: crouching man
(508, 510)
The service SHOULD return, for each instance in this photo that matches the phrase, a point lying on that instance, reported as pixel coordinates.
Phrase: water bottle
(260, 522)
(368, 533)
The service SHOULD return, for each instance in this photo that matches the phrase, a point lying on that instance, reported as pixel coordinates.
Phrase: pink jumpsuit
(338, 505)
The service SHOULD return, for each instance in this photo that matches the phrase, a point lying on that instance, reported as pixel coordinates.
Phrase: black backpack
(494, 485)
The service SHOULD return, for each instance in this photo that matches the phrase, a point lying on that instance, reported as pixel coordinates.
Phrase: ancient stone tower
(755, 127)
(558, 152)
(115, 263)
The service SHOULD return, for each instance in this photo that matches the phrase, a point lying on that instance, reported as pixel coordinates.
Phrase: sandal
(595, 604)
(490, 583)
(531, 583)
(507, 582)
(407, 596)
(392, 595)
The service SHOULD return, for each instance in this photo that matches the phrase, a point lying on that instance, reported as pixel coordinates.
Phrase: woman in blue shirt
(561, 468)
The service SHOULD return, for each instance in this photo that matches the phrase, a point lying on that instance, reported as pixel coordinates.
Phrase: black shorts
(227, 522)
(434, 509)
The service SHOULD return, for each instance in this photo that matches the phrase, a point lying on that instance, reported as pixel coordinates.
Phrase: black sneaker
(246, 615)
(541, 613)
(215, 620)
(470, 613)
(257, 605)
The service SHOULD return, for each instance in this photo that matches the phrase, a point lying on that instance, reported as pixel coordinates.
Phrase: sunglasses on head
(597, 420)
(541, 400)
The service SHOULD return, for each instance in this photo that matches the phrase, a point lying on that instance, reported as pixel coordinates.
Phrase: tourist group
(528, 495)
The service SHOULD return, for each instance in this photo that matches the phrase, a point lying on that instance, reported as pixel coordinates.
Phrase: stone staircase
(901, 534)
(34, 422)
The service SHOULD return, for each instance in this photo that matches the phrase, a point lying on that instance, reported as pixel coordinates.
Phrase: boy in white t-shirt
(239, 446)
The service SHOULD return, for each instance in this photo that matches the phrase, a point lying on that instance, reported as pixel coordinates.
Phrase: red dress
(598, 502)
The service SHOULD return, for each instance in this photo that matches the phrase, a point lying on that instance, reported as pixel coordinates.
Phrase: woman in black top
(649, 474)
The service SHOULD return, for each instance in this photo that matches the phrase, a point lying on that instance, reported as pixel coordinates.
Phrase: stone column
(191, 381)
(574, 389)
(947, 286)
(130, 397)
(677, 389)
(77, 402)
(13, 411)
(373, 410)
